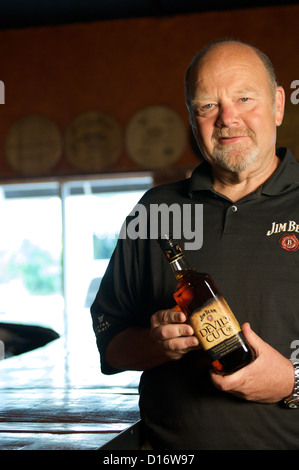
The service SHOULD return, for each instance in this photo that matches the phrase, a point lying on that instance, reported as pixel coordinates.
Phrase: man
(250, 193)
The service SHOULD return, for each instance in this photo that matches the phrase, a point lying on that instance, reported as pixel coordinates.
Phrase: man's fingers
(164, 317)
(162, 332)
(171, 325)
(171, 333)
(182, 344)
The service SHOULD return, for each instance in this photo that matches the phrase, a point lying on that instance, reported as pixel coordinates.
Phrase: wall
(118, 68)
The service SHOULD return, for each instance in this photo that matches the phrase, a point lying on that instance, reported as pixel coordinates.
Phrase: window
(30, 256)
(55, 242)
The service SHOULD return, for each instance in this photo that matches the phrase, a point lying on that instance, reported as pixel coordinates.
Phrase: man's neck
(235, 186)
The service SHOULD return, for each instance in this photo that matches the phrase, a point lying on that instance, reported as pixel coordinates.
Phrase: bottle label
(216, 328)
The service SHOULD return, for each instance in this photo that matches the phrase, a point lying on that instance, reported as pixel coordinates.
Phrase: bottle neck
(179, 265)
(175, 257)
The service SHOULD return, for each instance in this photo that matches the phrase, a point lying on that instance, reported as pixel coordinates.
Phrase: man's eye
(203, 109)
(244, 99)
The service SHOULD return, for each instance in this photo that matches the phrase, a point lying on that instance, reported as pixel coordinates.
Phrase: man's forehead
(227, 57)
(236, 71)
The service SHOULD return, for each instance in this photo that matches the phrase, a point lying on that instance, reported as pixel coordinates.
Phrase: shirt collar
(285, 177)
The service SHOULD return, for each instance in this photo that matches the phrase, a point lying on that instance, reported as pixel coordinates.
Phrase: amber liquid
(195, 290)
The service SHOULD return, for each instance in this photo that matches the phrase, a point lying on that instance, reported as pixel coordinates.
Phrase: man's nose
(227, 116)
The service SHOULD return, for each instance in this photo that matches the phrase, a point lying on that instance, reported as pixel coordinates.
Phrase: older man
(249, 191)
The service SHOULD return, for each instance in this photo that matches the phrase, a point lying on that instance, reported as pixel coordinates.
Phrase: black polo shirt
(251, 249)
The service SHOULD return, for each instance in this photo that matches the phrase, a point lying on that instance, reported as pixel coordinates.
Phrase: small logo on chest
(289, 241)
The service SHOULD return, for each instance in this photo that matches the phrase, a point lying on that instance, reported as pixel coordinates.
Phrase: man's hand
(268, 379)
(168, 339)
(172, 335)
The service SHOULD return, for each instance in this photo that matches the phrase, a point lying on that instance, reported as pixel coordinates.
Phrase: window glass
(56, 240)
(31, 256)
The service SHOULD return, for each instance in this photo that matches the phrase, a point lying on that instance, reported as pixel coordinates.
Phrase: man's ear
(280, 103)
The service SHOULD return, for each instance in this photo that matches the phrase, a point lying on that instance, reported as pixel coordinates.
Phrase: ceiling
(32, 13)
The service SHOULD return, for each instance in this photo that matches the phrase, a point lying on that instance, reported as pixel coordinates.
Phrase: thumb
(253, 339)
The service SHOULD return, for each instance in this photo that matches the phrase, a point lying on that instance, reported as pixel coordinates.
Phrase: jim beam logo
(289, 240)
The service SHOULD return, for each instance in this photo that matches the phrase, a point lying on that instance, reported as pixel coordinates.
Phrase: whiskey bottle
(212, 320)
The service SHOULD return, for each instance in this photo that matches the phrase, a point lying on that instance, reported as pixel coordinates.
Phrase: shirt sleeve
(137, 283)
(116, 305)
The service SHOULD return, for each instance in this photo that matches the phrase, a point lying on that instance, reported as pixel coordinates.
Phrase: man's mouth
(231, 139)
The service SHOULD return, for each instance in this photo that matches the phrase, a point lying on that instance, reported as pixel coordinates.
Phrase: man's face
(235, 111)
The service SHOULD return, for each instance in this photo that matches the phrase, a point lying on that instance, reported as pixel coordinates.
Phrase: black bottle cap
(165, 241)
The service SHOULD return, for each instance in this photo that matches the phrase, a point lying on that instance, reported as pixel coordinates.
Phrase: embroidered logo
(290, 226)
(102, 326)
(289, 242)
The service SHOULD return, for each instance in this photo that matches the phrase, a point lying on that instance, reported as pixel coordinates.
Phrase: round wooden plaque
(93, 141)
(156, 137)
(33, 145)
